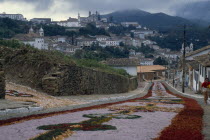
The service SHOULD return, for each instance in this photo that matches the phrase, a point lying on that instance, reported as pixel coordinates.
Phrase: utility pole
(183, 61)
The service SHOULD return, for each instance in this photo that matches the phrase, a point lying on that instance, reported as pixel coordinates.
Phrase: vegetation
(91, 29)
(120, 30)
(11, 43)
(98, 53)
(9, 27)
(43, 56)
(174, 38)
(160, 61)
(99, 66)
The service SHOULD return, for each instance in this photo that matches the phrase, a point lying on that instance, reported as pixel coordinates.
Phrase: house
(128, 41)
(136, 42)
(85, 41)
(130, 65)
(197, 70)
(142, 33)
(71, 22)
(146, 61)
(127, 24)
(155, 47)
(65, 47)
(199, 52)
(41, 20)
(13, 16)
(132, 52)
(113, 42)
(204, 67)
(172, 55)
(152, 72)
(102, 38)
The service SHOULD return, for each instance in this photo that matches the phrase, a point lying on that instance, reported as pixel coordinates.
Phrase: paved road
(138, 119)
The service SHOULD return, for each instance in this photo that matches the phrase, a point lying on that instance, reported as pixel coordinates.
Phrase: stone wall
(73, 80)
(2, 81)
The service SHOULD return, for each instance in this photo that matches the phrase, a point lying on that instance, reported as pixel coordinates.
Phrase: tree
(160, 61)
(132, 35)
(111, 19)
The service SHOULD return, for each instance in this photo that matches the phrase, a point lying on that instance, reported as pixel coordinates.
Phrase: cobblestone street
(153, 116)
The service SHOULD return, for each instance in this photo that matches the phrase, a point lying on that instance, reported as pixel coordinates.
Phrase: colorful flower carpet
(160, 115)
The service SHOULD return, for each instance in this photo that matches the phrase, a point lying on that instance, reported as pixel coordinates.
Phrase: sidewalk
(206, 108)
(14, 109)
(188, 91)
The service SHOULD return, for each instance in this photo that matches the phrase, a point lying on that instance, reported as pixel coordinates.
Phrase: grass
(101, 67)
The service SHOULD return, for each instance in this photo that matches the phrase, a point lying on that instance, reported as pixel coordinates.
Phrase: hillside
(57, 74)
(157, 21)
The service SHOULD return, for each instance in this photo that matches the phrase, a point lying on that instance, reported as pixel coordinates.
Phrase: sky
(63, 9)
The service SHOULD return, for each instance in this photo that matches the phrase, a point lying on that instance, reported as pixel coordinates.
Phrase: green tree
(160, 61)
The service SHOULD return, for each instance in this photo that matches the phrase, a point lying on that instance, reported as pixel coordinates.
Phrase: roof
(72, 19)
(203, 59)
(26, 37)
(193, 64)
(151, 68)
(198, 51)
(146, 59)
(122, 62)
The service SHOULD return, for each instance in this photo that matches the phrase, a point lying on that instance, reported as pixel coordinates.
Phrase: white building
(199, 67)
(136, 42)
(71, 22)
(84, 41)
(113, 42)
(41, 20)
(172, 55)
(146, 62)
(65, 47)
(102, 38)
(130, 65)
(127, 24)
(13, 16)
(141, 33)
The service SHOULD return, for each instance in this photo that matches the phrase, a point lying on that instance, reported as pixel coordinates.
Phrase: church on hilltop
(35, 39)
(188, 49)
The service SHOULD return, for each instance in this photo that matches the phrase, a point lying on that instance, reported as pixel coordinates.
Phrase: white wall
(132, 70)
(198, 54)
(195, 84)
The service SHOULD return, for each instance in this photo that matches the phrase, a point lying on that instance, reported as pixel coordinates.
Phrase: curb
(194, 96)
(35, 111)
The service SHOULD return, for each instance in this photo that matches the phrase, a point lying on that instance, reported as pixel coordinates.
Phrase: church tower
(31, 30)
(89, 13)
(41, 32)
(79, 20)
(191, 47)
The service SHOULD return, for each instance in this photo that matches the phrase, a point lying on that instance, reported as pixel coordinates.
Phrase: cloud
(60, 9)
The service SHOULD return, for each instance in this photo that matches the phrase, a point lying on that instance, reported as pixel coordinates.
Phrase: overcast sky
(62, 9)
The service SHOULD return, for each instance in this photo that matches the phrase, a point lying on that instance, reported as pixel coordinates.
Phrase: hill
(157, 21)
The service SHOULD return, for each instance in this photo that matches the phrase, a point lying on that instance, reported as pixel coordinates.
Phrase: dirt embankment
(58, 75)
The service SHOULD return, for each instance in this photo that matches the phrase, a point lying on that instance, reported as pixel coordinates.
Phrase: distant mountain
(197, 11)
(158, 21)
